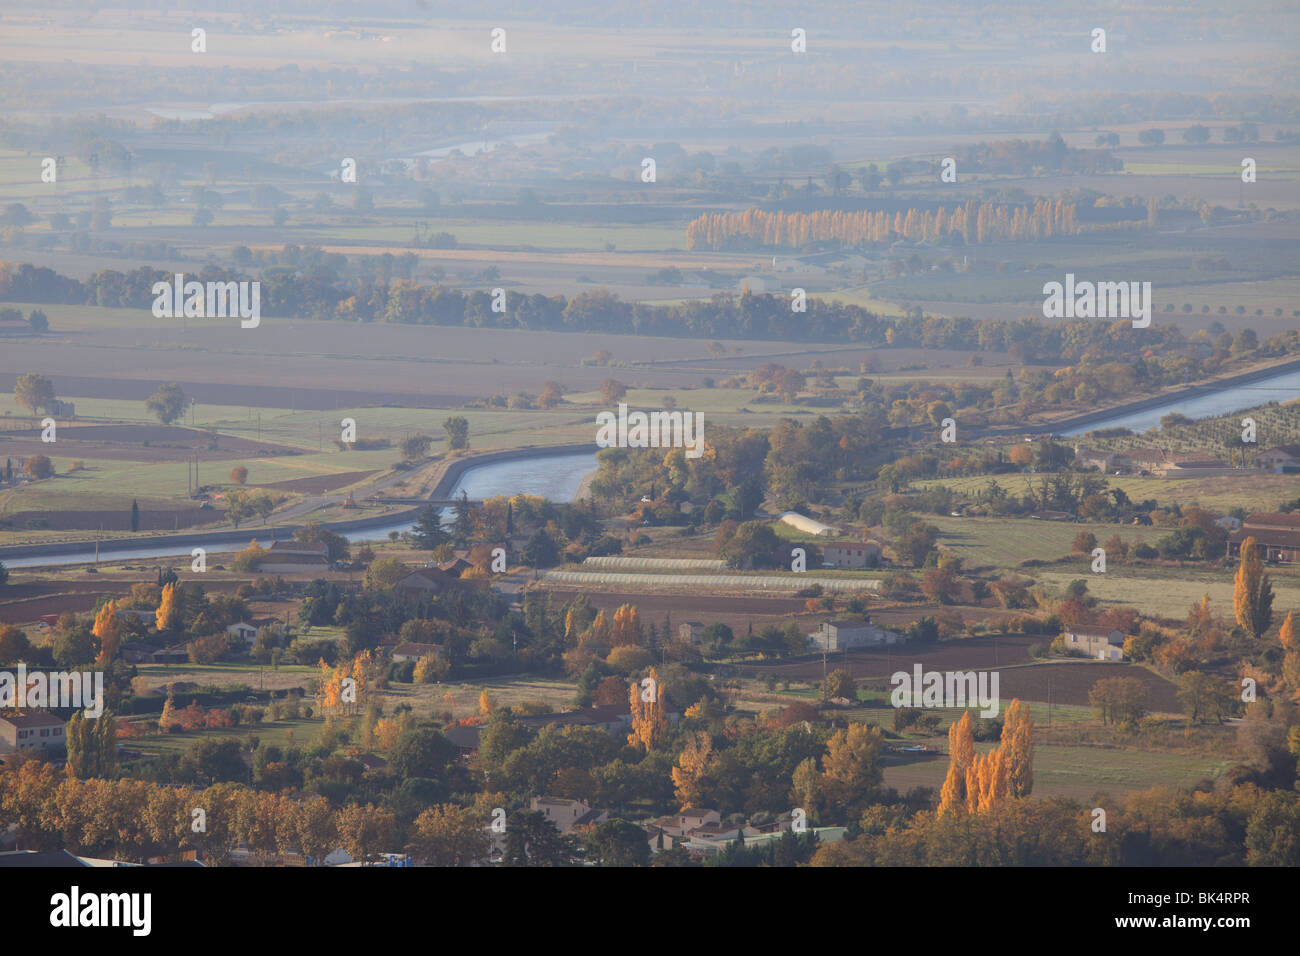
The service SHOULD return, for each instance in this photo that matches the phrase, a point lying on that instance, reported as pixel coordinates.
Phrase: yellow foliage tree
(168, 615)
(1252, 593)
(485, 703)
(108, 631)
(690, 776)
(648, 707)
(961, 752)
(1289, 634)
(167, 722)
(627, 626)
(1017, 746)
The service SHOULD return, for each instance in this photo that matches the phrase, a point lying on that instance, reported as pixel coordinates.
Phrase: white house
(244, 631)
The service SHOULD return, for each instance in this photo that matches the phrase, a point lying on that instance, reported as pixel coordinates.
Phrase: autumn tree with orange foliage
(1252, 593)
(108, 631)
(168, 615)
(626, 628)
(691, 783)
(649, 713)
(961, 752)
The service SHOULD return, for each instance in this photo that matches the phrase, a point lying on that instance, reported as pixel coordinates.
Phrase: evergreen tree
(428, 532)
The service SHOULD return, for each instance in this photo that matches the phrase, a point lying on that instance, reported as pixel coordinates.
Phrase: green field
(1081, 772)
(1252, 491)
(1006, 542)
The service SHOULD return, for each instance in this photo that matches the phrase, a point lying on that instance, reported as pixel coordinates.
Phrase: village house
(38, 730)
(851, 554)
(1277, 536)
(1099, 643)
(832, 636)
(567, 815)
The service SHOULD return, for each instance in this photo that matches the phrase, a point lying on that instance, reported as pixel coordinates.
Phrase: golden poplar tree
(690, 776)
(108, 631)
(1289, 634)
(1252, 593)
(649, 710)
(626, 628)
(1018, 747)
(961, 752)
(168, 615)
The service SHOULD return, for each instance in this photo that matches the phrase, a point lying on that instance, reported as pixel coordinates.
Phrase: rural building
(455, 568)
(690, 632)
(1282, 460)
(176, 654)
(244, 631)
(1276, 534)
(851, 554)
(1197, 468)
(567, 814)
(285, 557)
(136, 653)
(1103, 644)
(808, 525)
(427, 580)
(831, 636)
(758, 284)
(1228, 523)
(1049, 515)
(39, 730)
(412, 651)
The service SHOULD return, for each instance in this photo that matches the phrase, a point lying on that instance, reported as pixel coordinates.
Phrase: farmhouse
(852, 554)
(284, 557)
(1097, 642)
(1277, 535)
(830, 636)
(39, 730)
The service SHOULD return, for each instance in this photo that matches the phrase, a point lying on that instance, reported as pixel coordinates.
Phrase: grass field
(1172, 591)
(1252, 491)
(1081, 772)
(1006, 542)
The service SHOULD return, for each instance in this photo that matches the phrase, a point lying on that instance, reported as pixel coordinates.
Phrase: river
(556, 477)
(1279, 388)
